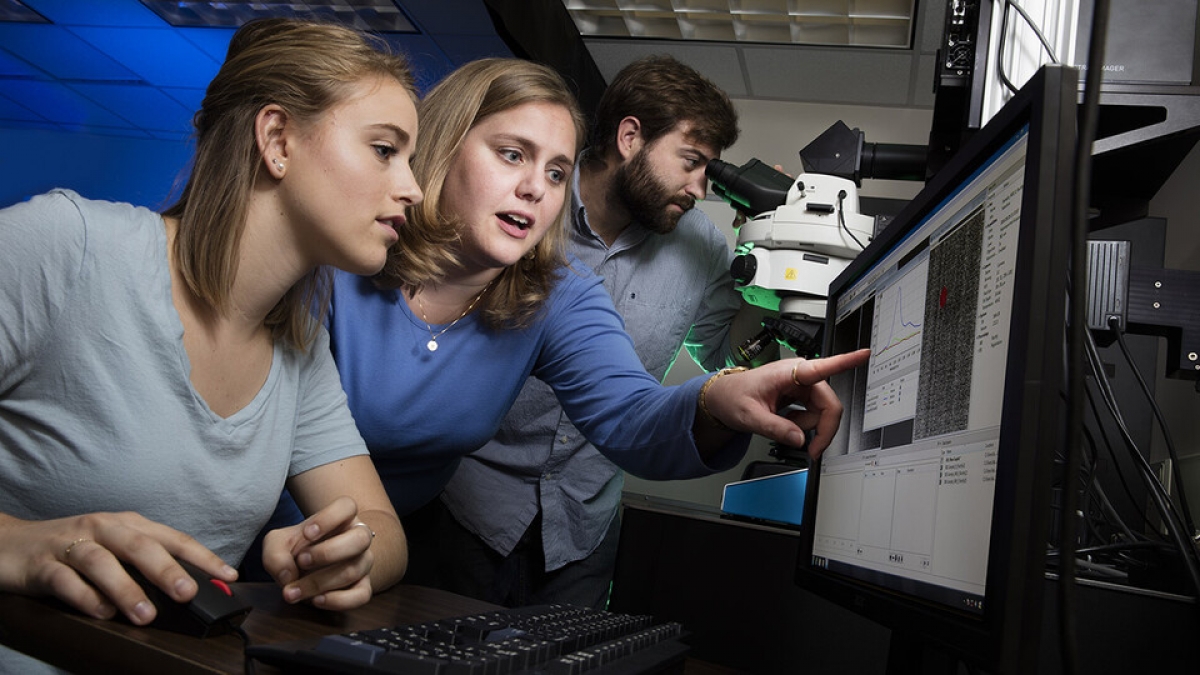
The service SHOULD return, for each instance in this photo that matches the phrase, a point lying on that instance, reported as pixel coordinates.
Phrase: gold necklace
(432, 345)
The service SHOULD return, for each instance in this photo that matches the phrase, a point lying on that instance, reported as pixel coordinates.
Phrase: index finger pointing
(814, 371)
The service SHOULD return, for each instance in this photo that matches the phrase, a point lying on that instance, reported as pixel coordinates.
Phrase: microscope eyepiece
(751, 188)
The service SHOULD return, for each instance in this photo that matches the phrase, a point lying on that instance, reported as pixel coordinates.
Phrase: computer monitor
(929, 512)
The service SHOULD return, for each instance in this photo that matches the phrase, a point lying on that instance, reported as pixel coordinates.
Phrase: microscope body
(786, 258)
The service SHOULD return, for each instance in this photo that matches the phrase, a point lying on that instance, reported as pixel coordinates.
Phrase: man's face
(662, 180)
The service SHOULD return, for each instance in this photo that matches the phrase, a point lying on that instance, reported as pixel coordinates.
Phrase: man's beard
(646, 198)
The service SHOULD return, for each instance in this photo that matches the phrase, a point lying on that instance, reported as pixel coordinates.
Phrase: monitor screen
(929, 510)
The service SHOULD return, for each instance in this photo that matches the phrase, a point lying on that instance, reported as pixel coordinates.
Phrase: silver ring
(366, 526)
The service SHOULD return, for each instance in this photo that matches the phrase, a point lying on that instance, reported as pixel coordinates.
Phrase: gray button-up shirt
(673, 291)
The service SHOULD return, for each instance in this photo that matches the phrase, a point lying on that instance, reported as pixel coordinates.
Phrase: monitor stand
(908, 654)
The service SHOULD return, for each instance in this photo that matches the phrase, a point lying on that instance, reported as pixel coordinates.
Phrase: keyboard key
(346, 647)
(403, 663)
(554, 639)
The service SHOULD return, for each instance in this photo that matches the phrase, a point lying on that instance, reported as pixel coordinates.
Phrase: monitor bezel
(1005, 637)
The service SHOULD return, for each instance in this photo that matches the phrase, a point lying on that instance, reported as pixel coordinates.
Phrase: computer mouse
(215, 610)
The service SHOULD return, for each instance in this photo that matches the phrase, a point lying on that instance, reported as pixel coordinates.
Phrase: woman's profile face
(349, 182)
(508, 182)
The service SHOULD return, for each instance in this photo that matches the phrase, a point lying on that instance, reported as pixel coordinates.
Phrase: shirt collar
(579, 218)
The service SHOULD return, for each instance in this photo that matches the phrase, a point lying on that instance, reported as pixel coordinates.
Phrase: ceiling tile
(60, 53)
(212, 41)
(463, 48)
(189, 98)
(122, 132)
(427, 60)
(160, 56)
(95, 12)
(146, 107)
(11, 111)
(173, 136)
(860, 77)
(121, 42)
(717, 61)
(449, 17)
(31, 125)
(11, 66)
(859, 23)
(57, 103)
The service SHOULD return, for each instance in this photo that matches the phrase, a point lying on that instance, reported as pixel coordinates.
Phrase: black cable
(1166, 508)
(1032, 26)
(1100, 570)
(1110, 446)
(1110, 401)
(1003, 36)
(1111, 513)
(842, 218)
(1012, 88)
(1105, 571)
(1078, 333)
(1114, 325)
(1088, 464)
(1145, 471)
(1124, 546)
(1092, 495)
(1158, 494)
(1084, 487)
(247, 661)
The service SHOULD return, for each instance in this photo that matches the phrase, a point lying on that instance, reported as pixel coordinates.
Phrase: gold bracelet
(704, 390)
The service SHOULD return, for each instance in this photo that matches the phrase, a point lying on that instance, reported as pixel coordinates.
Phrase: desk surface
(61, 636)
(58, 635)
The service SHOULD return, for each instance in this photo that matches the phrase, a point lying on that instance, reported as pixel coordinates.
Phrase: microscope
(800, 233)
(798, 236)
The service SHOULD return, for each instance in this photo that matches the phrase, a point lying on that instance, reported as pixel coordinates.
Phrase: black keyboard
(549, 639)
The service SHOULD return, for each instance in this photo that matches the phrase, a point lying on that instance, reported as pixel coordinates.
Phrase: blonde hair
(306, 68)
(428, 246)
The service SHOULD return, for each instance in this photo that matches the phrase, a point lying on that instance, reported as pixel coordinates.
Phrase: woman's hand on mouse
(326, 559)
(79, 561)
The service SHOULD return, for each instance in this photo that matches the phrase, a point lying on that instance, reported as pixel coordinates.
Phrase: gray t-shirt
(97, 411)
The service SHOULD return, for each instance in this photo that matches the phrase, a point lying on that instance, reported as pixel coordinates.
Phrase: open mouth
(515, 220)
(393, 223)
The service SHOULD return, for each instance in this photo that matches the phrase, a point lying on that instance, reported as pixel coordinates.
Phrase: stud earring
(278, 164)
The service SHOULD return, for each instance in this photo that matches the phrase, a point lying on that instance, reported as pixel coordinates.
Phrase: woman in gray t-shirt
(162, 376)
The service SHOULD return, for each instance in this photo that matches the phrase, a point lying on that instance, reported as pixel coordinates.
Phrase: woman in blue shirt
(478, 295)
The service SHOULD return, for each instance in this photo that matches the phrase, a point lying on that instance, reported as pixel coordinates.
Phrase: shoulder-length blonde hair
(429, 244)
(305, 67)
